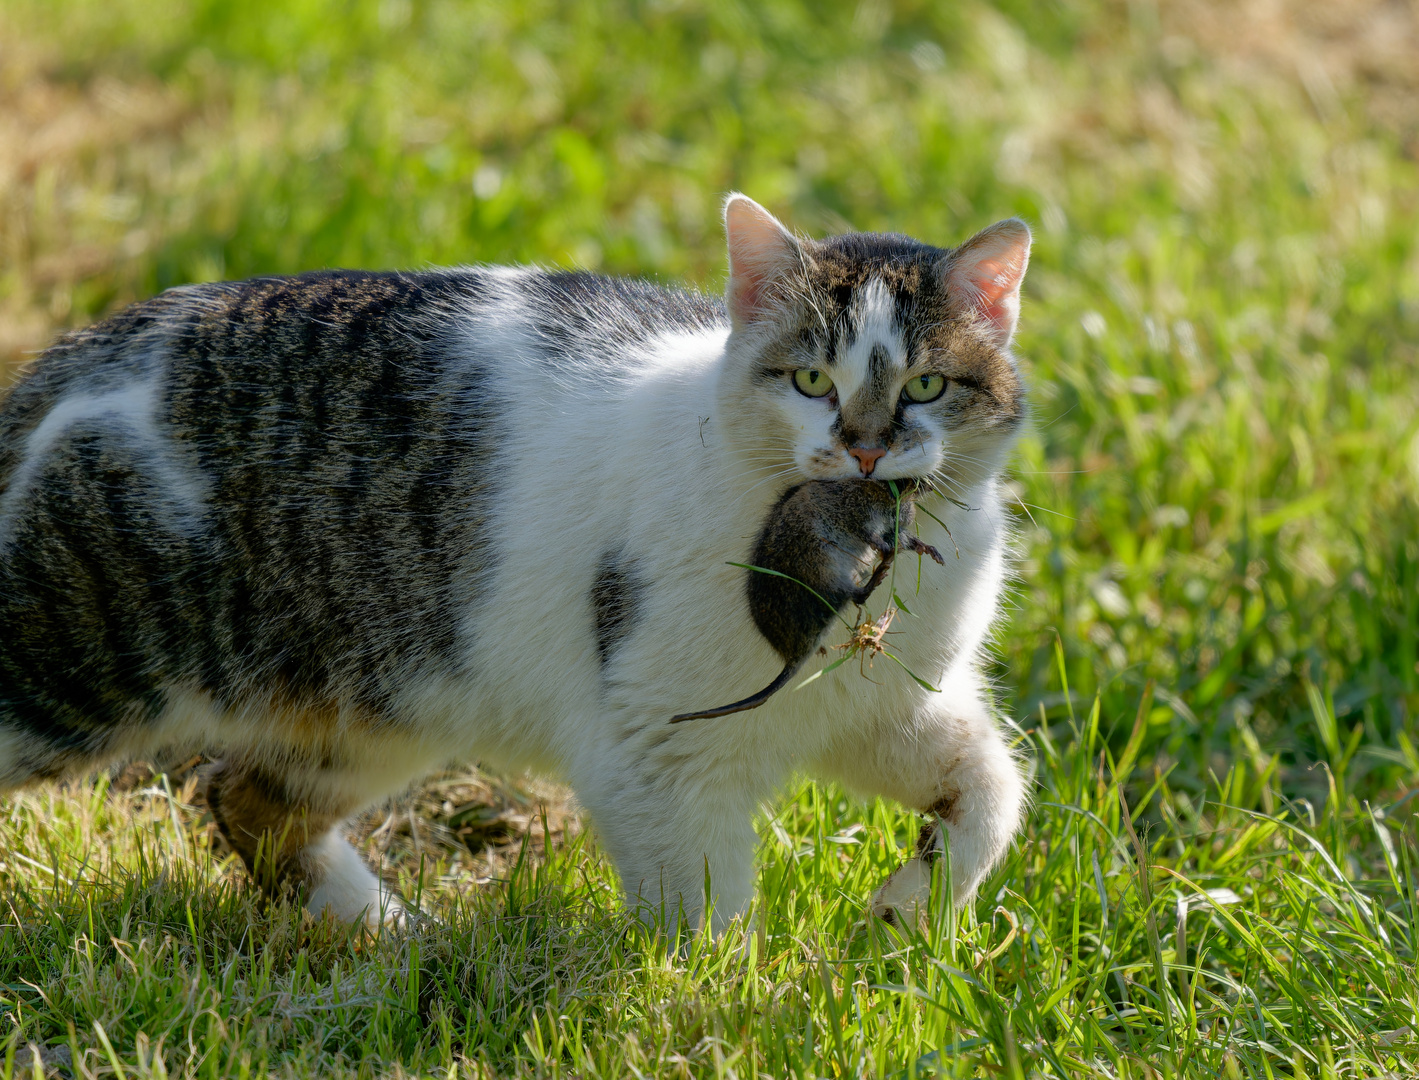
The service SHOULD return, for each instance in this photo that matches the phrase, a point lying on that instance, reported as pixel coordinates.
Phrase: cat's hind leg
(290, 841)
(15, 770)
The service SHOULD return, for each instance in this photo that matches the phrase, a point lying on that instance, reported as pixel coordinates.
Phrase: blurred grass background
(1221, 327)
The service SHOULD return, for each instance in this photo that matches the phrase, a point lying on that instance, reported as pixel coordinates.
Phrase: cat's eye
(812, 382)
(923, 388)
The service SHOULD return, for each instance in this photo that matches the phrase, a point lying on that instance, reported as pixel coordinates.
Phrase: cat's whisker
(816, 309)
(776, 469)
(785, 470)
(1025, 506)
(767, 451)
(957, 455)
(951, 488)
(766, 480)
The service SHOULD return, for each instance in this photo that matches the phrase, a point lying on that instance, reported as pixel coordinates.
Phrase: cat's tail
(748, 703)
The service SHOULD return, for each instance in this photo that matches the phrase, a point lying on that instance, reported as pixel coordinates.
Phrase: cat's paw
(374, 909)
(904, 899)
(344, 888)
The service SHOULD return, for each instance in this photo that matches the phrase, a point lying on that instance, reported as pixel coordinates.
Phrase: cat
(345, 527)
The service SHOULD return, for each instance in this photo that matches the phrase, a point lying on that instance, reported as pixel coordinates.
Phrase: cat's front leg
(679, 828)
(953, 766)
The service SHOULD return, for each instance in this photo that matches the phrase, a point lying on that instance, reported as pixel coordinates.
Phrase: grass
(1211, 656)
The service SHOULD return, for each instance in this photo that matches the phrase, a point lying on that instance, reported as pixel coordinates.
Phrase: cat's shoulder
(581, 312)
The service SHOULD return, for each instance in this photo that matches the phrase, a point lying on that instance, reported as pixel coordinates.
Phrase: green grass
(1218, 605)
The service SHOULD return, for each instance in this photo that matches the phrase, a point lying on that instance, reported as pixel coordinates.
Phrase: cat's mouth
(858, 463)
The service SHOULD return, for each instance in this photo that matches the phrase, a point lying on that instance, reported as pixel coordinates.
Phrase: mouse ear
(762, 255)
(983, 277)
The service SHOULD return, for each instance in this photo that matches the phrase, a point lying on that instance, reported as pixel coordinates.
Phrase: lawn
(1212, 654)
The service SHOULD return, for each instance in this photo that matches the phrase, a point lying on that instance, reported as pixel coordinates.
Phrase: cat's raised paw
(904, 899)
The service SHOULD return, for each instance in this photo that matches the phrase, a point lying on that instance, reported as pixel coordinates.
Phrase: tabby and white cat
(346, 527)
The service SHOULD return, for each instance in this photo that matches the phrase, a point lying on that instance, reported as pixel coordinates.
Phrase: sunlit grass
(1181, 937)
(1217, 612)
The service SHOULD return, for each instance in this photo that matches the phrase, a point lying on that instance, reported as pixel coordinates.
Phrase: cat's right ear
(762, 255)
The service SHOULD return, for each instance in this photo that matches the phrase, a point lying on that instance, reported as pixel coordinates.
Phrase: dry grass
(80, 164)
(472, 825)
(1344, 49)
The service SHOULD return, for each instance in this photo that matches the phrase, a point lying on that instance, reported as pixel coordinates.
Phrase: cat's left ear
(983, 277)
(762, 255)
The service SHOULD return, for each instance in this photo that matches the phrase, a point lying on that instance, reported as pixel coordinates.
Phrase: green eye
(812, 382)
(922, 388)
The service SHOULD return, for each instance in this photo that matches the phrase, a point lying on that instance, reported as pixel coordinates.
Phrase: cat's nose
(867, 457)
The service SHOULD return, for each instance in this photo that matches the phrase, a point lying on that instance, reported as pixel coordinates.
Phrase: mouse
(819, 542)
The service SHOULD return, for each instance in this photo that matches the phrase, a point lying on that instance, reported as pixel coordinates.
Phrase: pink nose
(867, 457)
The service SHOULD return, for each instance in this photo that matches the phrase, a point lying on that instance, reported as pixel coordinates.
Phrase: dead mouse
(824, 535)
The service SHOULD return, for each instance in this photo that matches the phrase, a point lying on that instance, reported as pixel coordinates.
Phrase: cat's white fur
(128, 410)
(345, 886)
(677, 459)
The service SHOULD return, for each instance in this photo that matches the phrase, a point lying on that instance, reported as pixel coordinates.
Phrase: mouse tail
(752, 702)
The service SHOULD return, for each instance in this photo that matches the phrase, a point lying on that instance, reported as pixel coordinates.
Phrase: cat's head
(872, 354)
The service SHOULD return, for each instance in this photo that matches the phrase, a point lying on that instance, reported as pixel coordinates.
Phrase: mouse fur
(824, 535)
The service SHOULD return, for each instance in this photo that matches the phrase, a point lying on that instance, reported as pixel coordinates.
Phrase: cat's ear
(983, 276)
(762, 254)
